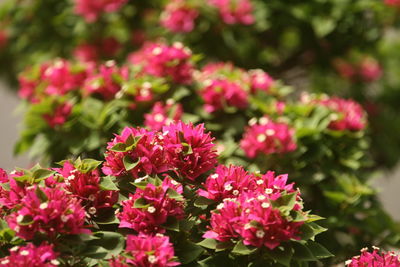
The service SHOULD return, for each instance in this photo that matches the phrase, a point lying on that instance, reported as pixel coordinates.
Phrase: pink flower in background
(350, 115)
(3, 39)
(61, 79)
(189, 149)
(32, 256)
(27, 89)
(86, 52)
(260, 81)
(162, 60)
(86, 187)
(144, 149)
(3, 176)
(147, 251)
(107, 81)
(59, 116)
(92, 9)
(155, 208)
(375, 258)
(162, 115)
(393, 3)
(227, 182)
(267, 137)
(345, 69)
(49, 211)
(370, 70)
(178, 16)
(234, 11)
(221, 92)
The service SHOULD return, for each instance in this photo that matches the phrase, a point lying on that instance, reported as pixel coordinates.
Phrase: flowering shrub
(374, 258)
(257, 123)
(154, 218)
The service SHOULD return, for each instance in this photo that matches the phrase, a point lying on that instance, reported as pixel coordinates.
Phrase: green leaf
(318, 250)
(129, 164)
(302, 253)
(119, 147)
(310, 230)
(202, 202)
(41, 195)
(140, 203)
(113, 242)
(174, 195)
(188, 251)
(282, 254)
(42, 174)
(87, 165)
(26, 220)
(242, 249)
(95, 252)
(208, 243)
(106, 183)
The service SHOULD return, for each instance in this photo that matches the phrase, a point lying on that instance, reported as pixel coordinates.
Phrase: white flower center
(265, 205)
(228, 187)
(220, 206)
(43, 206)
(235, 192)
(261, 138)
(151, 209)
(268, 191)
(24, 253)
(270, 132)
(152, 259)
(260, 233)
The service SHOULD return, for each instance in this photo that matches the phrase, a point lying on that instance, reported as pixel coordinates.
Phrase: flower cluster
(375, 258)
(224, 85)
(137, 152)
(59, 115)
(148, 209)
(249, 214)
(367, 69)
(186, 149)
(267, 137)
(48, 211)
(146, 250)
(234, 11)
(395, 3)
(31, 255)
(92, 9)
(161, 60)
(163, 114)
(86, 187)
(179, 16)
(105, 82)
(349, 114)
(92, 52)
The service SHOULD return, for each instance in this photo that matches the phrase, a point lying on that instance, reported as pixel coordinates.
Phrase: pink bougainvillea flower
(260, 81)
(92, 9)
(178, 16)
(49, 211)
(162, 115)
(147, 251)
(375, 258)
(86, 187)
(350, 115)
(264, 225)
(252, 219)
(161, 60)
(59, 116)
(86, 52)
(141, 148)
(32, 256)
(189, 149)
(370, 70)
(155, 208)
(395, 3)
(227, 182)
(345, 69)
(267, 137)
(234, 11)
(221, 92)
(3, 39)
(61, 79)
(107, 81)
